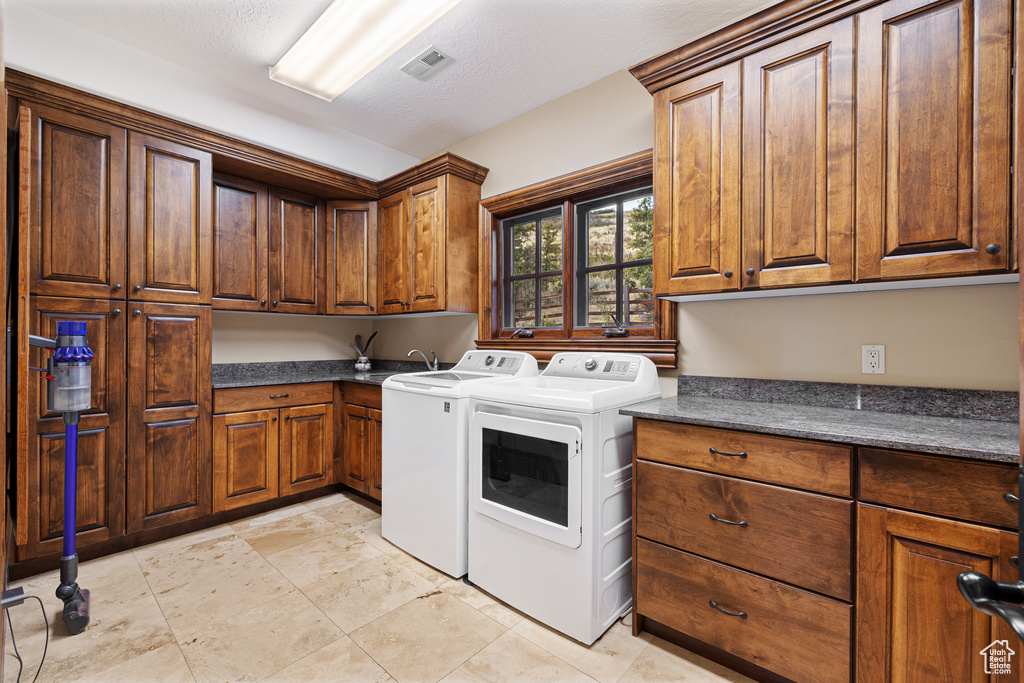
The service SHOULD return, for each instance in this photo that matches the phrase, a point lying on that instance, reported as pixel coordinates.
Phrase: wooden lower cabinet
(39, 475)
(263, 452)
(245, 458)
(169, 386)
(307, 448)
(789, 631)
(362, 424)
(912, 622)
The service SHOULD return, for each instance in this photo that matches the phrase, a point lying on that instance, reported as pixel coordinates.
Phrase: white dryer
(424, 447)
(550, 474)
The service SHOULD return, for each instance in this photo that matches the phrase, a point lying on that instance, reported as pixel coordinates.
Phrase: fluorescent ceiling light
(350, 39)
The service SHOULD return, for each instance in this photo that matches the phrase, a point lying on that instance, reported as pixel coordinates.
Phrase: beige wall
(262, 337)
(607, 119)
(447, 335)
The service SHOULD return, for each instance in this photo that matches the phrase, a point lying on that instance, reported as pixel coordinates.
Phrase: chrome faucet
(429, 366)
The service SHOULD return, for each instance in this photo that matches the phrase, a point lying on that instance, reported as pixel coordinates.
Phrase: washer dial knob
(590, 364)
(489, 361)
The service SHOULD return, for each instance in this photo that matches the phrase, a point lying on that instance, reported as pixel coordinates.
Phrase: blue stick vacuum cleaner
(69, 392)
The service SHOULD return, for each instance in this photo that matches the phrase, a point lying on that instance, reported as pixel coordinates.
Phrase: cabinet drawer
(791, 462)
(367, 395)
(801, 538)
(924, 483)
(796, 634)
(258, 398)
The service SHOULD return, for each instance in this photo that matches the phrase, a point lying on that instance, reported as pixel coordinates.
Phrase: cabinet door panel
(798, 160)
(373, 449)
(307, 447)
(393, 224)
(351, 258)
(427, 249)
(101, 477)
(296, 252)
(933, 138)
(169, 466)
(357, 474)
(77, 220)
(240, 230)
(170, 236)
(697, 184)
(912, 622)
(245, 458)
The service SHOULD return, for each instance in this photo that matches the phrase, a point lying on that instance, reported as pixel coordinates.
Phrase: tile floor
(312, 592)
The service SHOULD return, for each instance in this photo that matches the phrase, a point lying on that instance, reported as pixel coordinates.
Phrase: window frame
(619, 176)
(581, 270)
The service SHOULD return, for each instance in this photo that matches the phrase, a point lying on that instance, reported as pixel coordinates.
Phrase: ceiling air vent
(423, 65)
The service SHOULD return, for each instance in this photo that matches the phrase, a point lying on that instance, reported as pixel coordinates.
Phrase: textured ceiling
(510, 56)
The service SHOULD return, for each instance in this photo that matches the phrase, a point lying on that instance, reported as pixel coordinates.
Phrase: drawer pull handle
(741, 454)
(279, 395)
(1010, 498)
(742, 523)
(741, 615)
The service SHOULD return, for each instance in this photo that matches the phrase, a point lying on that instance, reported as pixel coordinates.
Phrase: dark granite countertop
(229, 375)
(945, 432)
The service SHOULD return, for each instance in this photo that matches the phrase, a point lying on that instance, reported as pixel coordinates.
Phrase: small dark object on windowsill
(617, 330)
(524, 332)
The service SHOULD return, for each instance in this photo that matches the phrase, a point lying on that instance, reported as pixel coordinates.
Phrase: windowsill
(661, 351)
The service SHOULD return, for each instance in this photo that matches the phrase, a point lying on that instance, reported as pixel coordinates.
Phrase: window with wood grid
(564, 262)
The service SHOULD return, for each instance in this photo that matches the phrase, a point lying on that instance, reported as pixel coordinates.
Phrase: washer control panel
(613, 366)
(492, 362)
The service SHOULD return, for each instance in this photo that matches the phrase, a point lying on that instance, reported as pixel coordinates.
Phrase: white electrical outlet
(872, 359)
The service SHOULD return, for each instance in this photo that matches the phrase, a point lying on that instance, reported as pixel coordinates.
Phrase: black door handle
(741, 615)
(742, 523)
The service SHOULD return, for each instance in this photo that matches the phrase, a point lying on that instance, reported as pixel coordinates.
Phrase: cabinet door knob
(117, 288)
(727, 273)
(275, 302)
(408, 304)
(371, 307)
(263, 302)
(137, 288)
(136, 312)
(750, 272)
(273, 419)
(993, 249)
(117, 311)
(287, 417)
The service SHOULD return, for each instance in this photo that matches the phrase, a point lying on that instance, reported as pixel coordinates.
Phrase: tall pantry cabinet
(115, 230)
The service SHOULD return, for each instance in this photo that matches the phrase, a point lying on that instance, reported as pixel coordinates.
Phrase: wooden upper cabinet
(169, 368)
(933, 138)
(75, 220)
(393, 225)
(351, 257)
(697, 184)
(240, 254)
(798, 160)
(296, 252)
(426, 280)
(170, 216)
(912, 622)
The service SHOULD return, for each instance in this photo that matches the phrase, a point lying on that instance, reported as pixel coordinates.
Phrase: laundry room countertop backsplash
(227, 375)
(980, 425)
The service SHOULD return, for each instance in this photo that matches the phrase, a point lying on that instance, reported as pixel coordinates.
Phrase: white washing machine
(550, 474)
(424, 446)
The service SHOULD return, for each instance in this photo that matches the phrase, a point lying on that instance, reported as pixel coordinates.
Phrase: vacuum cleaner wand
(69, 392)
